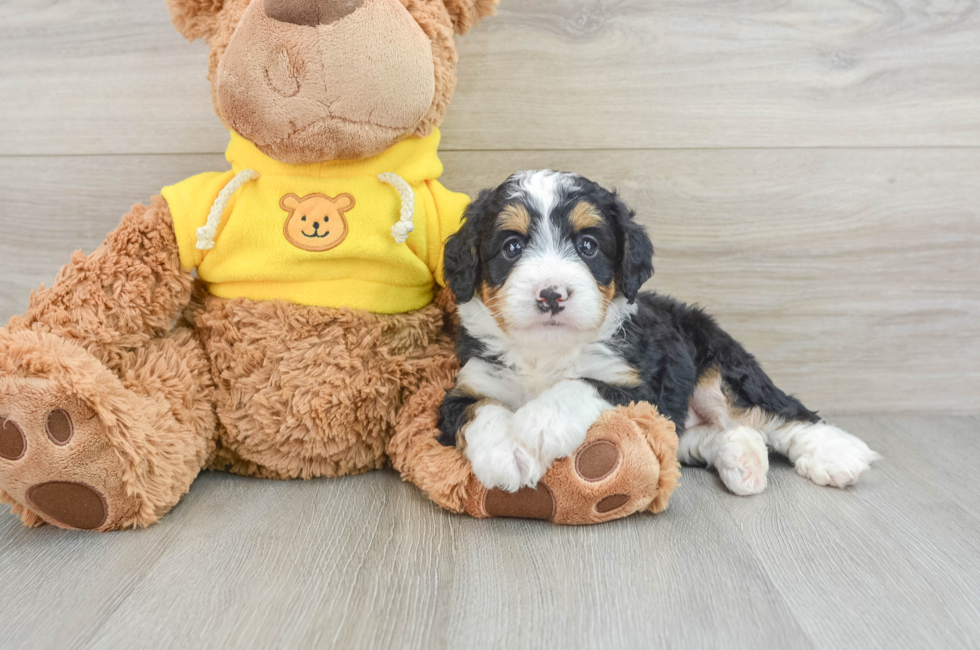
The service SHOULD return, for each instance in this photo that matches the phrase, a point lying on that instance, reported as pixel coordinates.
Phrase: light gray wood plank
(366, 562)
(948, 466)
(850, 274)
(893, 562)
(59, 587)
(112, 76)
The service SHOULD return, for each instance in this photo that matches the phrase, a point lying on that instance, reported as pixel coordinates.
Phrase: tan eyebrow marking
(514, 217)
(584, 215)
(609, 291)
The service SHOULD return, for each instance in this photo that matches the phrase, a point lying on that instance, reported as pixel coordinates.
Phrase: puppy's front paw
(506, 466)
(555, 424)
(545, 434)
(834, 457)
(496, 458)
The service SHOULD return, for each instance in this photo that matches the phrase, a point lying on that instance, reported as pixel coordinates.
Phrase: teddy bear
(284, 318)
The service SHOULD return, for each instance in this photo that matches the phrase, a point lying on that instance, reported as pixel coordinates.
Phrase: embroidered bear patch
(316, 222)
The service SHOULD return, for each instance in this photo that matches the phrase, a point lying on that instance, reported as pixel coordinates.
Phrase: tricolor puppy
(547, 270)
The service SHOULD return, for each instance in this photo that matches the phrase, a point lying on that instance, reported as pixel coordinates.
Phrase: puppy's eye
(302, 218)
(513, 248)
(588, 246)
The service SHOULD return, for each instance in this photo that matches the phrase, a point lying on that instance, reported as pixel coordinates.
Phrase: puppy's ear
(466, 13)
(195, 18)
(635, 263)
(461, 264)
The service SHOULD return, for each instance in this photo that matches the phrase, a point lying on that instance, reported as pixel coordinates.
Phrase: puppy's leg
(497, 459)
(554, 424)
(822, 452)
(739, 454)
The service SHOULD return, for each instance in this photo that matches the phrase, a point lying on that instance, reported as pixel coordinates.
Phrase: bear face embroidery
(316, 222)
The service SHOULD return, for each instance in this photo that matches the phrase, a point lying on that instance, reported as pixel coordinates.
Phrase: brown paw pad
(526, 503)
(71, 504)
(59, 427)
(612, 502)
(597, 460)
(13, 442)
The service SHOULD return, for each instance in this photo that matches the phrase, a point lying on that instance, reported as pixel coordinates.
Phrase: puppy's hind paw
(836, 460)
(743, 462)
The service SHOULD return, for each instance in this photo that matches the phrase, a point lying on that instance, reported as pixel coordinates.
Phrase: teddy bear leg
(105, 406)
(85, 448)
(627, 463)
(442, 473)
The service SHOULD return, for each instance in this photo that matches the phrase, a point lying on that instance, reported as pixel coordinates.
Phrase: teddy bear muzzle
(310, 13)
(314, 80)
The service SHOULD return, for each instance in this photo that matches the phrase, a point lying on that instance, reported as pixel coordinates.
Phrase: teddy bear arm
(130, 290)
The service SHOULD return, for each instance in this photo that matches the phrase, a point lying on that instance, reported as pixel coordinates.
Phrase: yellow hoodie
(324, 234)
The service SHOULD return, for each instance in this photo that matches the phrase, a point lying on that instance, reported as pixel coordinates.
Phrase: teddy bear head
(316, 80)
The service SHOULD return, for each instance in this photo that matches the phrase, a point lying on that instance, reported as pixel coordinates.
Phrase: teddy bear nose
(310, 12)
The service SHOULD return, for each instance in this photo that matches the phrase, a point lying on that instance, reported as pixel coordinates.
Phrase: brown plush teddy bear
(312, 337)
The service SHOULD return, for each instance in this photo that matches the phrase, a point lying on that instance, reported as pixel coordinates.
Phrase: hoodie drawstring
(207, 232)
(401, 230)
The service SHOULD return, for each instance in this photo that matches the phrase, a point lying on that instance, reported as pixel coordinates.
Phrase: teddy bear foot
(595, 466)
(79, 449)
(625, 465)
(56, 465)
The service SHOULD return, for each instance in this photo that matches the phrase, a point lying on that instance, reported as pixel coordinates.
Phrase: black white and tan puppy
(547, 270)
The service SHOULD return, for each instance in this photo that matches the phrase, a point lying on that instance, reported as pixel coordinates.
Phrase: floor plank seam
(449, 149)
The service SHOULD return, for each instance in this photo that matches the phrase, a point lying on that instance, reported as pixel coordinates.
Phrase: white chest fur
(528, 365)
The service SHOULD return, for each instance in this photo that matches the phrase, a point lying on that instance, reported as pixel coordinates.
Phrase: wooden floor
(809, 171)
(367, 562)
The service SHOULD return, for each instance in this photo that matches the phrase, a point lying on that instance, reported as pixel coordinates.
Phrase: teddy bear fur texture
(125, 378)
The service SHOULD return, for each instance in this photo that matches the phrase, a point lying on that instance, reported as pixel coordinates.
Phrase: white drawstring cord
(401, 230)
(207, 232)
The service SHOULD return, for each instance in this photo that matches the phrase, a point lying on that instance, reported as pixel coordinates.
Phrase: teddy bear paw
(56, 464)
(590, 477)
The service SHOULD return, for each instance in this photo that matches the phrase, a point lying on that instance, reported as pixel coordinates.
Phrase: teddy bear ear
(195, 18)
(466, 13)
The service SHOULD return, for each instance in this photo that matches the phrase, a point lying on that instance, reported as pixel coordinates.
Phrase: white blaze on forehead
(542, 188)
(549, 259)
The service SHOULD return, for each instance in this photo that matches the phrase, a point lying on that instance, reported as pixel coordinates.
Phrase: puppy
(547, 270)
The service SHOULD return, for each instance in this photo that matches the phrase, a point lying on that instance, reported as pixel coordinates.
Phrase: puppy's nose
(551, 299)
(310, 13)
